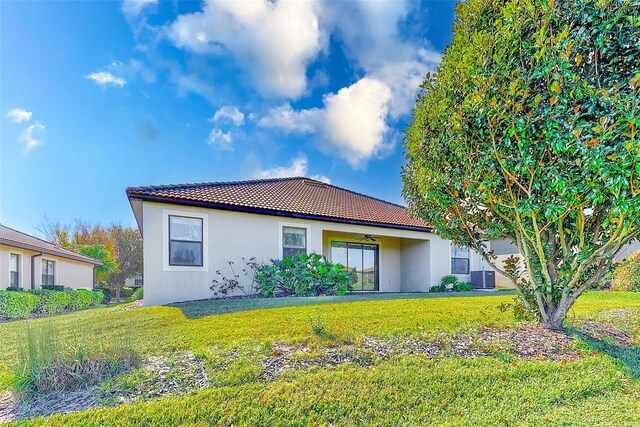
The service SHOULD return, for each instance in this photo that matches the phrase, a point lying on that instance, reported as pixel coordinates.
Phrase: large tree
(528, 130)
(118, 247)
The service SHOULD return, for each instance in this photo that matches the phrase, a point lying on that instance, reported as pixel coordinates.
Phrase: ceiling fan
(368, 238)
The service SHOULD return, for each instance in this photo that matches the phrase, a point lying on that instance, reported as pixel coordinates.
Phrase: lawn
(600, 386)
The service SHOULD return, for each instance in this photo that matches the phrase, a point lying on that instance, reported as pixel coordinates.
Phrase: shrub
(80, 299)
(51, 302)
(449, 279)
(138, 294)
(626, 276)
(98, 298)
(17, 305)
(15, 289)
(438, 288)
(302, 275)
(520, 311)
(126, 292)
(58, 288)
(463, 286)
(107, 294)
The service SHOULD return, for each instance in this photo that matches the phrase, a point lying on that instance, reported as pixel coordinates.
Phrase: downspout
(33, 267)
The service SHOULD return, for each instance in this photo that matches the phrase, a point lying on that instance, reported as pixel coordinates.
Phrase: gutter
(33, 267)
(259, 211)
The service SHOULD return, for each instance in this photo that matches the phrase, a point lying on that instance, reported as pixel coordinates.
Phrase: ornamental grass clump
(44, 365)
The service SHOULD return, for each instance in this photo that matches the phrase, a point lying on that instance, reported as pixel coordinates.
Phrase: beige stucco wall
(70, 273)
(229, 236)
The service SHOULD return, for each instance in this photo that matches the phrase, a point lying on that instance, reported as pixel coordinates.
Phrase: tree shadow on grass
(627, 356)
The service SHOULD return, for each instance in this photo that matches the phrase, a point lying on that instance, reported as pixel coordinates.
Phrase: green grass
(597, 390)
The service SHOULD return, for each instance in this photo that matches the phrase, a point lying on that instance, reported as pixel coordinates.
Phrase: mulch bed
(183, 373)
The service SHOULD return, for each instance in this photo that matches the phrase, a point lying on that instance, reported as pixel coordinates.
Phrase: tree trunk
(555, 318)
(118, 293)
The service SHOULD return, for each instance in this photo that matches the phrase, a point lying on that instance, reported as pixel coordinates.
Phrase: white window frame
(165, 240)
(282, 225)
(55, 270)
(20, 269)
(451, 257)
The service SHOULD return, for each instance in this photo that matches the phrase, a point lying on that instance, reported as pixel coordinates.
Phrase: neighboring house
(190, 231)
(504, 248)
(134, 282)
(29, 262)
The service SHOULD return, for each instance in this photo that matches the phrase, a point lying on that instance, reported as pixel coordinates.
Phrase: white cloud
(275, 41)
(297, 167)
(370, 32)
(19, 115)
(221, 141)
(351, 123)
(27, 137)
(104, 78)
(132, 8)
(228, 113)
(285, 118)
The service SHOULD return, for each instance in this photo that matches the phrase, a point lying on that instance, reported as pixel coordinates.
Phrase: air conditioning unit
(483, 279)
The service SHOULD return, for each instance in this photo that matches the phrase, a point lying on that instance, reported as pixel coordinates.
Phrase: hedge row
(19, 305)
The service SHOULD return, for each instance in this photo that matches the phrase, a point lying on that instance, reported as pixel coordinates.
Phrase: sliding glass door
(360, 258)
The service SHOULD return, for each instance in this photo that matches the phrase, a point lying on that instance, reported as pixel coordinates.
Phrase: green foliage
(17, 305)
(100, 252)
(462, 286)
(138, 294)
(98, 298)
(528, 130)
(15, 289)
(302, 275)
(520, 311)
(107, 294)
(449, 279)
(80, 299)
(439, 288)
(126, 292)
(51, 302)
(58, 288)
(318, 327)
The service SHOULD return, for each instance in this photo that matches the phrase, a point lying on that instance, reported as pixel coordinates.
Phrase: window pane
(14, 279)
(185, 253)
(293, 237)
(15, 262)
(460, 265)
(460, 252)
(182, 228)
(339, 253)
(289, 252)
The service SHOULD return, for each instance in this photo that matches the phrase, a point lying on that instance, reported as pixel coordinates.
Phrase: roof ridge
(47, 242)
(221, 183)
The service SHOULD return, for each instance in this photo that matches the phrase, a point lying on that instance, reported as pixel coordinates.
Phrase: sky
(97, 96)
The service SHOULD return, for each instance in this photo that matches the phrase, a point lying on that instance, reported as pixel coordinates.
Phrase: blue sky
(96, 96)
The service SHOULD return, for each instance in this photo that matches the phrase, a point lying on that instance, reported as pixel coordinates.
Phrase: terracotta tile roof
(297, 197)
(18, 239)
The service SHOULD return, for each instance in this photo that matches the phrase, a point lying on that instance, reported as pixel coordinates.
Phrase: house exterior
(191, 231)
(28, 262)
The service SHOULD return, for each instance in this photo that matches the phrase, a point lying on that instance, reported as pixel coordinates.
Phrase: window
(294, 241)
(459, 260)
(185, 241)
(14, 270)
(361, 259)
(48, 272)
